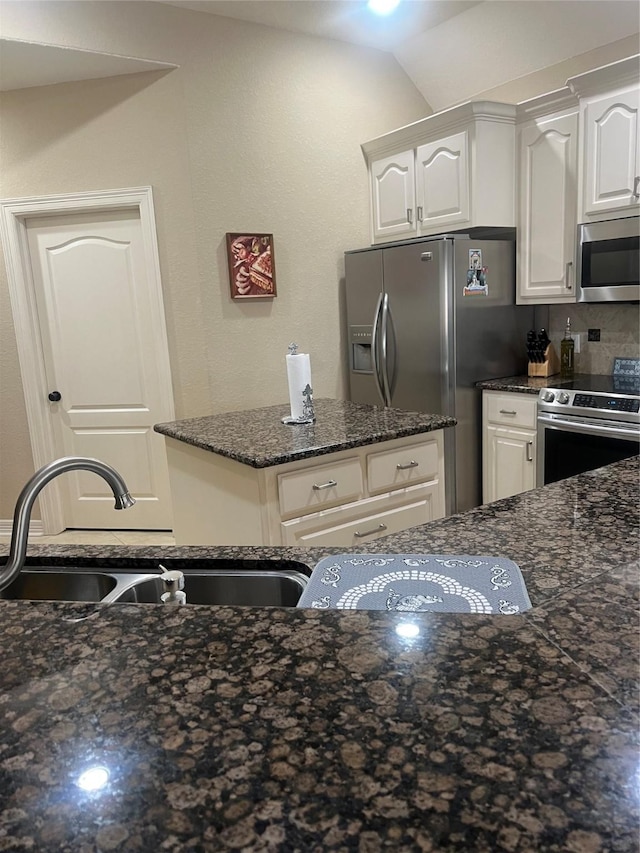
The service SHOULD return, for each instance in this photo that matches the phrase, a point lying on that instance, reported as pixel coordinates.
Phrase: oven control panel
(609, 404)
(585, 405)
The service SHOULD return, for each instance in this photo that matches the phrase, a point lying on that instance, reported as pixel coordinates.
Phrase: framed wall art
(252, 272)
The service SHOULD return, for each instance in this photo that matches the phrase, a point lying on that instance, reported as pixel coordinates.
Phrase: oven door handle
(630, 433)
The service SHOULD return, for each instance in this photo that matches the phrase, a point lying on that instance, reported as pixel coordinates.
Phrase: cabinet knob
(55, 396)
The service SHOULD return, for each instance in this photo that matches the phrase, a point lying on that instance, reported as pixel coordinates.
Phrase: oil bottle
(566, 353)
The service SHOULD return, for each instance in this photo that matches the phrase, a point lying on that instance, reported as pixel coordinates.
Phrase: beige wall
(258, 129)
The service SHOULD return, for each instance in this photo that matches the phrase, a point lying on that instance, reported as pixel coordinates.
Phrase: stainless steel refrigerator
(427, 319)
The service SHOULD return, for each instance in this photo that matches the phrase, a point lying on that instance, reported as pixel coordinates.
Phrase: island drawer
(322, 485)
(512, 409)
(360, 523)
(403, 466)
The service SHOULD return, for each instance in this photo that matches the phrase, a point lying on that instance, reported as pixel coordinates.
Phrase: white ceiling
(344, 20)
(453, 50)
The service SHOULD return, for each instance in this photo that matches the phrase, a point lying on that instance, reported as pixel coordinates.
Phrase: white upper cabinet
(547, 199)
(610, 158)
(452, 170)
(611, 167)
(578, 161)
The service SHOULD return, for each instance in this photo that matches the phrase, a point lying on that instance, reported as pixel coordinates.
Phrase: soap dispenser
(173, 582)
(566, 353)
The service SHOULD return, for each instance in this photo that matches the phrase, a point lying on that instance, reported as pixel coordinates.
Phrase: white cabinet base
(508, 444)
(328, 500)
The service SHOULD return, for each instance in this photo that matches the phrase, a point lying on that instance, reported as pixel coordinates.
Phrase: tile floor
(103, 537)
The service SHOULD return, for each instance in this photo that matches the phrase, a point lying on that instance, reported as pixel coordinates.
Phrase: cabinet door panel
(443, 182)
(611, 158)
(510, 465)
(393, 196)
(548, 197)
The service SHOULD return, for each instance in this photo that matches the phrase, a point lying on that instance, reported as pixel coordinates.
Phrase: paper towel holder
(308, 413)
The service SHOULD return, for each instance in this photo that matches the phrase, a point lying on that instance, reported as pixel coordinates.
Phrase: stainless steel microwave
(608, 268)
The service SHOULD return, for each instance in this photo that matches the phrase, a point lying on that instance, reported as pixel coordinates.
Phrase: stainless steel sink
(253, 589)
(60, 586)
(255, 583)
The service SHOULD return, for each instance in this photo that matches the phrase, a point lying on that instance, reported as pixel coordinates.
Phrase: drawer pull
(508, 412)
(370, 532)
(328, 485)
(403, 467)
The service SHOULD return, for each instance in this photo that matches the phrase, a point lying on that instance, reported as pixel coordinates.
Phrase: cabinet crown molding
(625, 72)
(438, 125)
(559, 100)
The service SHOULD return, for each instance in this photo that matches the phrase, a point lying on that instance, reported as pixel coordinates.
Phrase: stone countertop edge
(258, 438)
(519, 384)
(274, 729)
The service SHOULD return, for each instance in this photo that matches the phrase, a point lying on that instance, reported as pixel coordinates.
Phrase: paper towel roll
(299, 376)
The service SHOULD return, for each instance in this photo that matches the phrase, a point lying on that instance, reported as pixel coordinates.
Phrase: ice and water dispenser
(360, 340)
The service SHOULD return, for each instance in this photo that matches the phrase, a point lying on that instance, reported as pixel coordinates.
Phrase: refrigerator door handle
(374, 348)
(384, 322)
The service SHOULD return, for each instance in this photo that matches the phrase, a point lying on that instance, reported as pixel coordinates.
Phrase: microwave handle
(567, 274)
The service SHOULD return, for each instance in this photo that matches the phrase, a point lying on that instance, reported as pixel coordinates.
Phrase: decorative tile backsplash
(619, 326)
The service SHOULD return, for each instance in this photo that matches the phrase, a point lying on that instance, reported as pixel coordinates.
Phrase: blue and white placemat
(439, 583)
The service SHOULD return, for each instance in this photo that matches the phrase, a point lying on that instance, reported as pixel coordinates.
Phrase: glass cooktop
(596, 383)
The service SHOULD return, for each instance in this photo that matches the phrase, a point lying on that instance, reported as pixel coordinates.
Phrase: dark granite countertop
(257, 437)
(302, 730)
(520, 384)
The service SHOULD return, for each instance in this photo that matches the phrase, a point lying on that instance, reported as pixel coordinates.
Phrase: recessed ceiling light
(382, 7)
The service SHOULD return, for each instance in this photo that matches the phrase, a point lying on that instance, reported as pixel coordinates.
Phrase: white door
(393, 197)
(612, 172)
(547, 217)
(510, 464)
(104, 345)
(442, 176)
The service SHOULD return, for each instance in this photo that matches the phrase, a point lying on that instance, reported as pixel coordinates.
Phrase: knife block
(548, 367)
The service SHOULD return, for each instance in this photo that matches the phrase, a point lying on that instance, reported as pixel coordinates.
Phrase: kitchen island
(356, 473)
(280, 729)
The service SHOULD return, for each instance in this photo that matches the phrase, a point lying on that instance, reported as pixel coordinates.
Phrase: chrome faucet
(26, 498)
